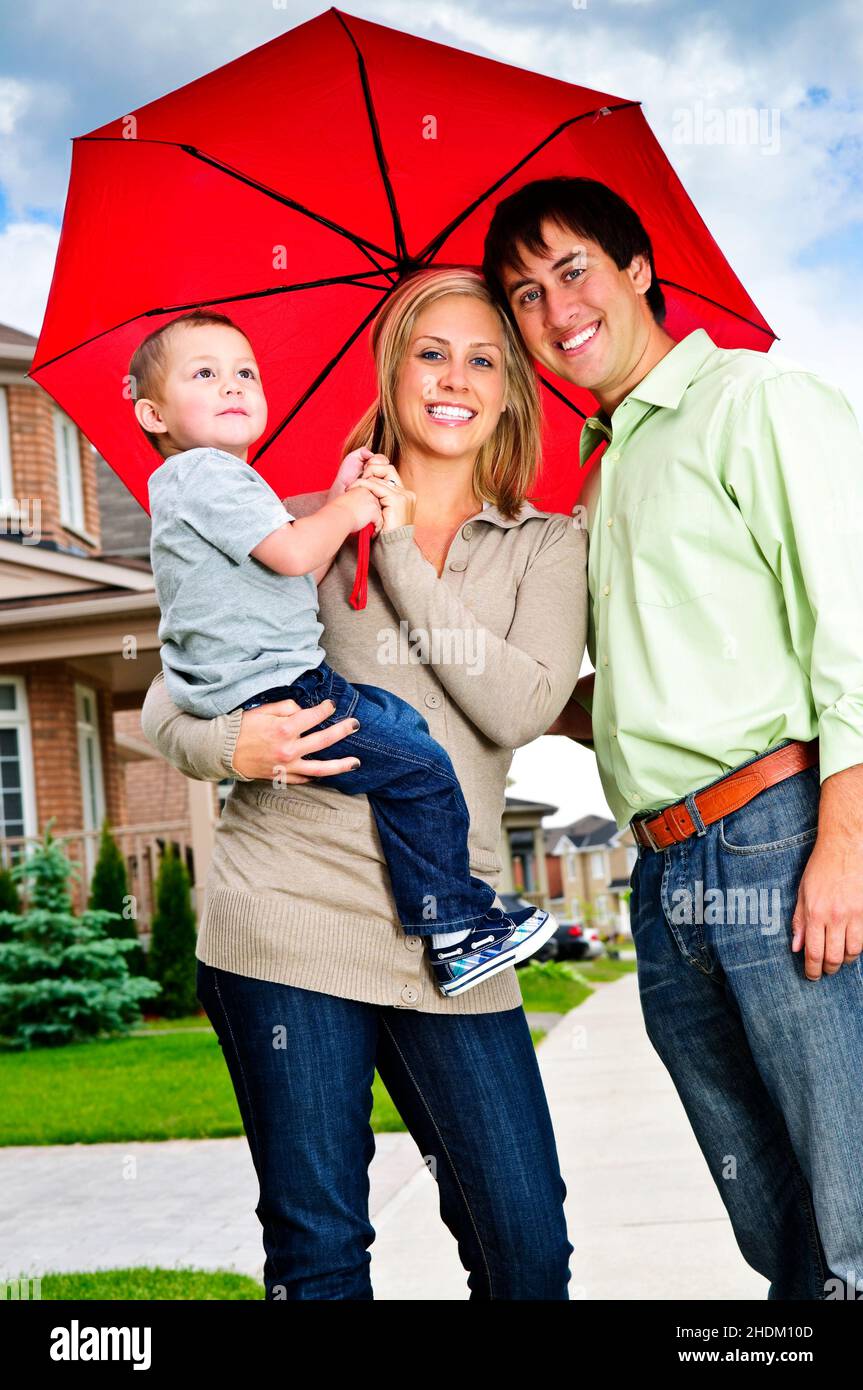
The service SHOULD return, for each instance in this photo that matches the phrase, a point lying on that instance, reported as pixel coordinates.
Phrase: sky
(785, 203)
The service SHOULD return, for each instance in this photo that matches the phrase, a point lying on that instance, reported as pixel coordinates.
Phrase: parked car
(511, 902)
(575, 941)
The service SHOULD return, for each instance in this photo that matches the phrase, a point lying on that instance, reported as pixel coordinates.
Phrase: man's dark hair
(588, 208)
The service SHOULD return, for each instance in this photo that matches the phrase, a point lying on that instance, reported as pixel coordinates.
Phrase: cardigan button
(433, 700)
(410, 995)
(412, 942)
(458, 564)
(467, 531)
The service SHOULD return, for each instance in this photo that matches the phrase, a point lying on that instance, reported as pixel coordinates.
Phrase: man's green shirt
(725, 572)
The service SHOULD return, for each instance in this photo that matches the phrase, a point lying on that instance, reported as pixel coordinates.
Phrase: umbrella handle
(359, 592)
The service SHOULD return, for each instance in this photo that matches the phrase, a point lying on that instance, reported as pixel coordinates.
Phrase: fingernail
(355, 764)
(355, 724)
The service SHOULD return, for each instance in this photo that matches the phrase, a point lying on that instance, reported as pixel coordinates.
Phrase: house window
(570, 865)
(17, 799)
(69, 471)
(597, 866)
(90, 764)
(631, 857)
(7, 486)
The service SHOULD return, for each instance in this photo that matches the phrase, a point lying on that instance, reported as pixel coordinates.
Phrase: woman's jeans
(419, 809)
(468, 1088)
(768, 1064)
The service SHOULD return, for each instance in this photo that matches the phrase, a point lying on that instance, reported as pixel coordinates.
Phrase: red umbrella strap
(359, 593)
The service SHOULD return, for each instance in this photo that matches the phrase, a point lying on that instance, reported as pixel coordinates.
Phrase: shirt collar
(665, 385)
(490, 513)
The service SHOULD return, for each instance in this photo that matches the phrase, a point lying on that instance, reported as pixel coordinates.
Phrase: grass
(170, 1082)
(140, 1283)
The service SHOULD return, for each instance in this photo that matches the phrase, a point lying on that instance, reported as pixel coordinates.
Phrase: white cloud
(27, 254)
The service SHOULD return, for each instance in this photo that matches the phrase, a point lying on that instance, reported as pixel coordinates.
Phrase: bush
(109, 892)
(172, 943)
(63, 979)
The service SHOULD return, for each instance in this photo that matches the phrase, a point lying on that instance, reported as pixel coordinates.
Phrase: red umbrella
(295, 186)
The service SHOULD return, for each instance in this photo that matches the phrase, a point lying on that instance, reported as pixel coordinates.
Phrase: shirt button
(606, 588)
(613, 732)
(605, 661)
(410, 995)
(467, 531)
(616, 454)
(433, 700)
(610, 521)
(458, 564)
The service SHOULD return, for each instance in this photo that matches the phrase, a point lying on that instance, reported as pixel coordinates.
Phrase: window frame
(70, 491)
(19, 719)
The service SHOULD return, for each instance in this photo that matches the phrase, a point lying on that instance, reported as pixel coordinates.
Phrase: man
(726, 588)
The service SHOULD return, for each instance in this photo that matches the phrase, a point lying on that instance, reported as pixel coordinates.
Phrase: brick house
(78, 644)
(589, 864)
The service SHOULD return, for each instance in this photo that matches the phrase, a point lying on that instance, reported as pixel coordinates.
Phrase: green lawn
(164, 1084)
(142, 1283)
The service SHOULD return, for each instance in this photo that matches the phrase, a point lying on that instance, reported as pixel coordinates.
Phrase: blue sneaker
(498, 942)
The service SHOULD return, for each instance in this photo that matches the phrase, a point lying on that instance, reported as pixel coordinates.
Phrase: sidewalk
(643, 1214)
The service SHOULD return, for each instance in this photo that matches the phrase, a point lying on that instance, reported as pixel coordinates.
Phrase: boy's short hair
(588, 208)
(149, 362)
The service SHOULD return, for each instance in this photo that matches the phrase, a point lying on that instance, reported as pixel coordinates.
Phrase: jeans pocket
(782, 817)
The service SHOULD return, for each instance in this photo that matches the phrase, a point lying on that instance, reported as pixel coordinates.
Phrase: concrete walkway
(643, 1214)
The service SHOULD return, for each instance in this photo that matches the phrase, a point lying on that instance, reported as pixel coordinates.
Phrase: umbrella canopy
(293, 188)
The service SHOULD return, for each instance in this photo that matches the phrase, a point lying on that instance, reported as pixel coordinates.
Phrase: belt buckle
(646, 831)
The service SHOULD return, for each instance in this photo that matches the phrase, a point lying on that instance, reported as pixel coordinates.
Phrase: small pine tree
(109, 892)
(172, 943)
(62, 978)
(10, 901)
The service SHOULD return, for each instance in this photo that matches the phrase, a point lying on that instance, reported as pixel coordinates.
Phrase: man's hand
(574, 720)
(828, 918)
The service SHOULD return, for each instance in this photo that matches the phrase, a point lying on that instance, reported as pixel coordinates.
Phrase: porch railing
(140, 845)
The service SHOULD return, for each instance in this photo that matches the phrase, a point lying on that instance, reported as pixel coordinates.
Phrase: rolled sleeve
(796, 467)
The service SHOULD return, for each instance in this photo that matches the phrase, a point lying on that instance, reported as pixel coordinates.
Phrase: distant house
(589, 864)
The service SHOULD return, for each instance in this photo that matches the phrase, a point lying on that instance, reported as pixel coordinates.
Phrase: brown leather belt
(674, 824)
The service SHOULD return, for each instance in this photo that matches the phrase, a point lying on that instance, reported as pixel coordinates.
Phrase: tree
(10, 900)
(63, 979)
(172, 943)
(109, 892)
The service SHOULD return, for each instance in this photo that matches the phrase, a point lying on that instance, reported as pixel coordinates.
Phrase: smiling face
(451, 388)
(578, 314)
(211, 394)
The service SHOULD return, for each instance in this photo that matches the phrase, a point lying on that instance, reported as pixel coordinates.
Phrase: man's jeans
(768, 1064)
(419, 809)
(469, 1090)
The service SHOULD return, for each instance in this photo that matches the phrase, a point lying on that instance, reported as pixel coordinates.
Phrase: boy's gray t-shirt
(230, 627)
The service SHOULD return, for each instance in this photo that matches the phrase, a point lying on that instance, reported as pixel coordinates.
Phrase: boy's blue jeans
(418, 806)
(768, 1064)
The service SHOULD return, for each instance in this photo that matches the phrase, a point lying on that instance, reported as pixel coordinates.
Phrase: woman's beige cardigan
(298, 891)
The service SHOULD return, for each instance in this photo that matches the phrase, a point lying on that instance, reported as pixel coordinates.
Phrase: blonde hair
(507, 462)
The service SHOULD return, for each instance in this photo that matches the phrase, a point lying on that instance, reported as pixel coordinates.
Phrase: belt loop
(689, 803)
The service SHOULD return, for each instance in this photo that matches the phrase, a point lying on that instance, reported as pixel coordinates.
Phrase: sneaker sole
(543, 931)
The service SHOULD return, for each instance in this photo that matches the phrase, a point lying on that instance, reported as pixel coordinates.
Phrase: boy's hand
(363, 507)
(350, 469)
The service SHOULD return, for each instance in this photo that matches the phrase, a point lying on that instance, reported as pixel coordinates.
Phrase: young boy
(236, 577)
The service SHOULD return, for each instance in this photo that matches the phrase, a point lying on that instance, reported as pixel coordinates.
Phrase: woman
(476, 615)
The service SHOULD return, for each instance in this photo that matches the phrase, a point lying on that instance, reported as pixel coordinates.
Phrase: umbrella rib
(360, 242)
(561, 397)
(398, 232)
(437, 242)
(322, 375)
(684, 289)
(357, 280)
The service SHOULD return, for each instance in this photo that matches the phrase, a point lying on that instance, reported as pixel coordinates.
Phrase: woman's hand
(397, 503)
(273, 740)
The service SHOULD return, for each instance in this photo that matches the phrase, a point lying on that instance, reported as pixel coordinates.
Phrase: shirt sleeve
(228, 503)
(199, 748)
(794, 464)
(524, 679)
